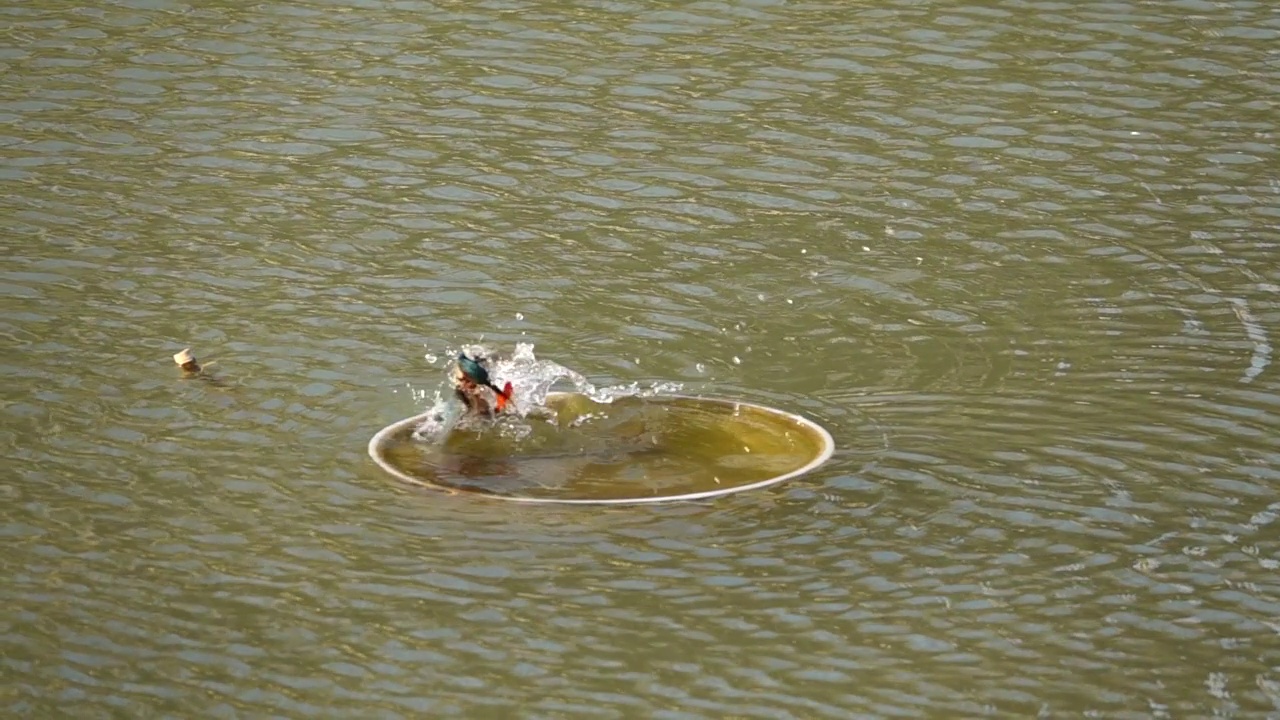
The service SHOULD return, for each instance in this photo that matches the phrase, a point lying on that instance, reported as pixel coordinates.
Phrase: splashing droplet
(532, 380)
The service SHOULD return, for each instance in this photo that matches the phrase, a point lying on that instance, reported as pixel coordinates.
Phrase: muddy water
(1019, 258)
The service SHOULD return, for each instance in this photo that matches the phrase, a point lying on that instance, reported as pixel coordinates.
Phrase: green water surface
(631, 448)
(1019, 257)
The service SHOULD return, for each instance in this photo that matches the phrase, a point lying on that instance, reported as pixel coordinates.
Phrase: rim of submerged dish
(380, 439)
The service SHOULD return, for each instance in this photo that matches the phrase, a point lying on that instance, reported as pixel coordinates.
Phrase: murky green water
(579, 450)
(1021, 258)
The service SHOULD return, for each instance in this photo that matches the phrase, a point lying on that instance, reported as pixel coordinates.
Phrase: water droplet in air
(519, 316)
(737, 360)
(431, 358)
(760, 297)
(790, 301)
(700, 367)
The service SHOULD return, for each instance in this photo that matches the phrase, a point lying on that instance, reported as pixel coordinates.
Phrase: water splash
(438, 419)
(532, 380)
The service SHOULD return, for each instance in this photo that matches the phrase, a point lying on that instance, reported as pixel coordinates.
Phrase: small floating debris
(193, 370)
(187, 361)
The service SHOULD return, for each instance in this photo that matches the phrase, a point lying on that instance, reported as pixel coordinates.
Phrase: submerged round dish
(633, 450)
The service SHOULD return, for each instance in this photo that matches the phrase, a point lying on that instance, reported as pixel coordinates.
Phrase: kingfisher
(471, 383)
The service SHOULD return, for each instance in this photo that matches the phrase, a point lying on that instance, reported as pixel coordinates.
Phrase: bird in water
(476, 390)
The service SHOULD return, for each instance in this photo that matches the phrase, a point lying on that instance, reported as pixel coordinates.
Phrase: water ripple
(1020, 264)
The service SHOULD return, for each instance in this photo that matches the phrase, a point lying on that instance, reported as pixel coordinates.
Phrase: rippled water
(1020, 258)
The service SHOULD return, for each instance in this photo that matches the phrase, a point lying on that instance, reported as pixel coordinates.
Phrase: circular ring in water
(819, 438)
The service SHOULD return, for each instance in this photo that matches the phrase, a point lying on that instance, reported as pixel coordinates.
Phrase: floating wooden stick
(187, 361)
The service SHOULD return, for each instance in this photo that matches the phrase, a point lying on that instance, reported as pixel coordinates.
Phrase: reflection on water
(1018, 258)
